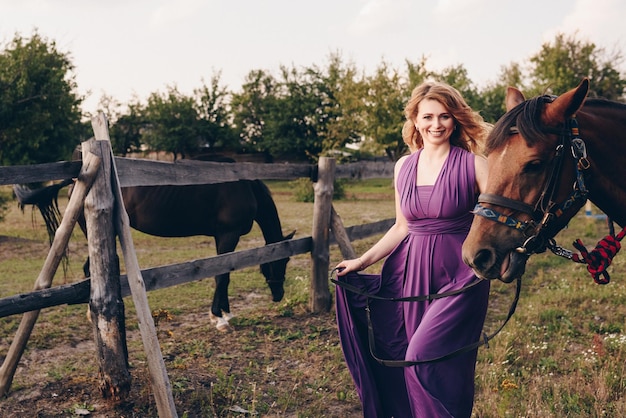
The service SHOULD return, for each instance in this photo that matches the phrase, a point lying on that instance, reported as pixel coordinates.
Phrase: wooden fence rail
(174, 274)
(141, 172)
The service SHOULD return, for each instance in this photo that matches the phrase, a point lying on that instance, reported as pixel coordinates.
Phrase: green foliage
(341, 118)
(172, 123)
(560, 66)
(251, 107)
(384, 106)
(4, 199)
(126, 132)
(297, 115)
(214, 127)
(303, 190)
(39, 107)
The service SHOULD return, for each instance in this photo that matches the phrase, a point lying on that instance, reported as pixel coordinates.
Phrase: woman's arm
(388, 242)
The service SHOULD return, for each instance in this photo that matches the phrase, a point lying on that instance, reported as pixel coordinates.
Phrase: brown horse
(225, 211)
(546, 157)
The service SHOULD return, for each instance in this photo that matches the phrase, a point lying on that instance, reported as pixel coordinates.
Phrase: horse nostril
(483, 260)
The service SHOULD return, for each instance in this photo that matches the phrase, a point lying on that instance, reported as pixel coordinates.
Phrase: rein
(433, 296)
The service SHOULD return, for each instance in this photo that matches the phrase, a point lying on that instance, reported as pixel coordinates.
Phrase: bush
(4, 199)
(303, 190)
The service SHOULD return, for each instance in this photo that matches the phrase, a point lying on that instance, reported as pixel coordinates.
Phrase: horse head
(274, 273)
(529, 196)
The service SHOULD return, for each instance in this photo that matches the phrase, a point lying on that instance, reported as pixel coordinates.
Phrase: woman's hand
(347, 266)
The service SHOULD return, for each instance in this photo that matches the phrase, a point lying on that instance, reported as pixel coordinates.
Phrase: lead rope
(600, 258)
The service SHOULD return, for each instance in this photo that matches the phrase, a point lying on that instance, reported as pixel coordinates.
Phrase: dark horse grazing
(225, 211)
(546, 157)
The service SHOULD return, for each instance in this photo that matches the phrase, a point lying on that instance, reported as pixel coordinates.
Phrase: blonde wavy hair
(471, 130)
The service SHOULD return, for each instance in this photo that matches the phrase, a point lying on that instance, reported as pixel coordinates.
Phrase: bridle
(545, 211)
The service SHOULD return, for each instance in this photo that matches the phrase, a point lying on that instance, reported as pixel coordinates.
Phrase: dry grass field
(561, 355)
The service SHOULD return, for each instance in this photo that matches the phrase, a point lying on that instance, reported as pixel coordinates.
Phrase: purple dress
(427, 261)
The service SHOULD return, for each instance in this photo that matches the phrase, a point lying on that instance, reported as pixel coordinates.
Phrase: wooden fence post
(320, 298)
(156, 366)
(106, 306)
(44, 280)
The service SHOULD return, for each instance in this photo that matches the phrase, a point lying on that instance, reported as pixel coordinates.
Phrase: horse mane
(267, 213)
(599, 102)
(525, 117)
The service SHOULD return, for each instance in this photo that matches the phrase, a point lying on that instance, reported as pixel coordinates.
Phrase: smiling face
(434, 122)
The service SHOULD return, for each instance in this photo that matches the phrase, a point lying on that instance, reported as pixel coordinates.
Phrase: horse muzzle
(487, 264)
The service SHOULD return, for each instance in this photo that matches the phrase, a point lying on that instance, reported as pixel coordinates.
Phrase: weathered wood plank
(365, 170)
(23, 174)
(143, 172)
(320, 299)
(159, 379)
(106, 306)
(158, 277)
(174, 274)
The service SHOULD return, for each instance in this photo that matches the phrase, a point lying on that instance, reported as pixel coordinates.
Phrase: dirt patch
(273, 363)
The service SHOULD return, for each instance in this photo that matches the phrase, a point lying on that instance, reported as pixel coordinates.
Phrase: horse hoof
(221, 322)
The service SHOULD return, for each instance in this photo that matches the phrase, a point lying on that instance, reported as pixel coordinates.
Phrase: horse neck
(267, 214)
(603, 128)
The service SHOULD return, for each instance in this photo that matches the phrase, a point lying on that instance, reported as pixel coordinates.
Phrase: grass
(562, 353)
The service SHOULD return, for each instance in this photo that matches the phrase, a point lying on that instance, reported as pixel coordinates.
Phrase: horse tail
(46, 200)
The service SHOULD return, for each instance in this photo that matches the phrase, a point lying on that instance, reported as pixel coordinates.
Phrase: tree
(341, 91)
(490, 101)
(292, 126)
(214, 124)
(172, 123)
(251, 108)
(384, 112)
(281, 117)
(127, 130)
(40, 117)
(126, 125)
(561, 65)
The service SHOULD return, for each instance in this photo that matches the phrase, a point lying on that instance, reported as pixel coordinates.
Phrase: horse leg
(220, 308)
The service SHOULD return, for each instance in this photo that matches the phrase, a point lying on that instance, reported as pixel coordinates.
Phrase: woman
(436, 187)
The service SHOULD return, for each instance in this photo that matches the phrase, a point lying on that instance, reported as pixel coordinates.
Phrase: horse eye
(534, 167)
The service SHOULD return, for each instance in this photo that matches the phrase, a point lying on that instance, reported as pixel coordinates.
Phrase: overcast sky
(131, 48)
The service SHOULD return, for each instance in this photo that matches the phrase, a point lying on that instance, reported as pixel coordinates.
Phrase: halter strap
(494, 199)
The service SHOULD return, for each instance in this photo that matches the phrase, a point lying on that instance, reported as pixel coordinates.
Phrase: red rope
(600, 258)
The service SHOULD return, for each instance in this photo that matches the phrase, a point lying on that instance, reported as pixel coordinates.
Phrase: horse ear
(566, 104)
(513, 98)
(290, 235)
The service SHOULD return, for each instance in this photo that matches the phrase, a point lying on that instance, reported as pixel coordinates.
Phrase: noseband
(545, 210)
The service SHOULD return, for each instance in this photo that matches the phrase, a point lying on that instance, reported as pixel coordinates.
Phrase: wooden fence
(100, 178)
